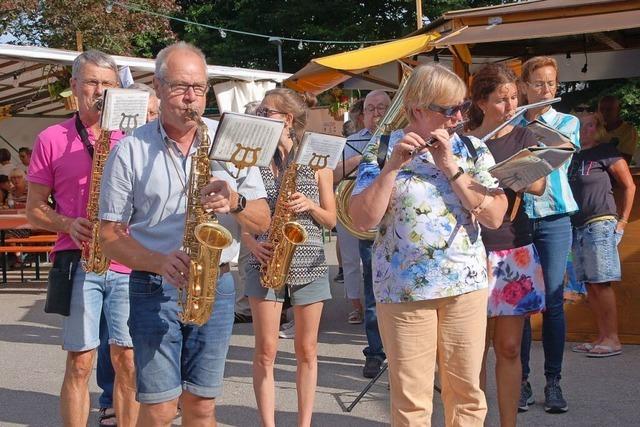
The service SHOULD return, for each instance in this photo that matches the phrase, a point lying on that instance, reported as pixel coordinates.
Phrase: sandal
(355, 317)
(585, 347)
(107, 417)
(604, 351)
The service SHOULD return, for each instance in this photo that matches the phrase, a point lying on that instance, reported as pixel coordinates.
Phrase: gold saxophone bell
(212, 235)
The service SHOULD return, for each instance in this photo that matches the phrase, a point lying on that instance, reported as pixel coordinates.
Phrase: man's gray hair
(95, 57)
(163, 55)
(142, 86)
(252, 107)
(374, 93)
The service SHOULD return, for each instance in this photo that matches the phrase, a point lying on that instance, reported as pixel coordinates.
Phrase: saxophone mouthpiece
(99, 103)
(192, 114)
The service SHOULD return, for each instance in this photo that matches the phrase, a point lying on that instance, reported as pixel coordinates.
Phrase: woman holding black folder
(516, 286)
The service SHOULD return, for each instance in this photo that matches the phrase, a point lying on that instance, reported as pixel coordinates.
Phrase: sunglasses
(450, 111)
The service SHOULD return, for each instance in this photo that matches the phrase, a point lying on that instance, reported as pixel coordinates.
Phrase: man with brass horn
(376, 104)
(145, 191)
(61, 165)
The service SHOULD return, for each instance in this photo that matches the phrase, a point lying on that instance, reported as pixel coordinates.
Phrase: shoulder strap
(383, 147)
(84, 135)
(470, 147)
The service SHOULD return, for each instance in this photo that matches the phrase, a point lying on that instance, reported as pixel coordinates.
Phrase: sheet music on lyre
(246, 140)
(319, 150)
(124, 109)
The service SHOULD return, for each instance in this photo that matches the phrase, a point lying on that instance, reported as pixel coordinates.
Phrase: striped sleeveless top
(308, 263)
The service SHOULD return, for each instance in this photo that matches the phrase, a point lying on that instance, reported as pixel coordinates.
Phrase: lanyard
(84, 135)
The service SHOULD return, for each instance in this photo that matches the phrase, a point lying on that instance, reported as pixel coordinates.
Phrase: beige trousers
(412, 334)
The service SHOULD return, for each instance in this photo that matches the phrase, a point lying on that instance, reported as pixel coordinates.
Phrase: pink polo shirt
(61, 162)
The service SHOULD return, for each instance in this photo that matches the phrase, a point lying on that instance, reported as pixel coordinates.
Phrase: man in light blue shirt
(142, 208)
(375, 107)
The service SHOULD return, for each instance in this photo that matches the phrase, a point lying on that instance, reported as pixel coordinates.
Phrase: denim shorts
(316, 291)
(595, 252)
(171, 356)
(92, 293)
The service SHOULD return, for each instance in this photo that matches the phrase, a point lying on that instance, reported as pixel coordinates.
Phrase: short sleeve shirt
(591, 182)
(428, 245)
(61, 162)
(144, 187)
(557, 198)
(516, 233)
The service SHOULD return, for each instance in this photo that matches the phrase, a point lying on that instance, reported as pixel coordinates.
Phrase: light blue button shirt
(557, 198)
(143, 185)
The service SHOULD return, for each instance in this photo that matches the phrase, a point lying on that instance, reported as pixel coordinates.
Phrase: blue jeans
(552, 238)
(374, 349)
(171, 356)
(105, 375)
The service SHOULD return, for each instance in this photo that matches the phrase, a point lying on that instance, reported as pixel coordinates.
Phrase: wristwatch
(242, 203)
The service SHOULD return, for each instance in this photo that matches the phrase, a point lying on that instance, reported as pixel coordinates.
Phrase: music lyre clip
(317, 161)
(244, 157)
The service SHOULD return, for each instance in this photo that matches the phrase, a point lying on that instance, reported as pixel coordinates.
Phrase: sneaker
(526, 397)
(289, 331)
(339, 277)
(355, 317)
(554, 403)
(371, 367)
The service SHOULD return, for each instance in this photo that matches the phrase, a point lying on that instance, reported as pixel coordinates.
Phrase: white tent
(26, 72)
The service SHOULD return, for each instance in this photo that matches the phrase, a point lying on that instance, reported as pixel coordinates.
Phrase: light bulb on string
(16, 81)
(109, 7)
(223, 33)
(300, 45)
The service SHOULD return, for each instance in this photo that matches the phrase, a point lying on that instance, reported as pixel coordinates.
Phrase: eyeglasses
(540, 85)
(380, 108)
(267, 112)
(180, 88)
(103, 83)
(450, 111)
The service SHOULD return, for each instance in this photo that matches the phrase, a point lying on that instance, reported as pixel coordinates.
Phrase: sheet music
(246, 140)
(124, 109)
(529, 165)
(319, 150)
(549, 136)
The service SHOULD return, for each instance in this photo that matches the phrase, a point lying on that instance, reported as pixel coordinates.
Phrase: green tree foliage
(301, 19)
(53, 23)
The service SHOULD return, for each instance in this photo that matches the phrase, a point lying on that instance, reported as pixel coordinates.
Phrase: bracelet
(457, 174)
(624, 221)
(486, 201)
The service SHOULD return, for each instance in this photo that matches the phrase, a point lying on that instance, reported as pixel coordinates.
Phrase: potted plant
(338, 103)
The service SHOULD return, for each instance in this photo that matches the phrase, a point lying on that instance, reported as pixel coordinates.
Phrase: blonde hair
(432, 84)
(601, 132)
(290, 102)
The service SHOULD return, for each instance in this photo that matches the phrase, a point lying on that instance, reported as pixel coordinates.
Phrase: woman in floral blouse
(429, 263)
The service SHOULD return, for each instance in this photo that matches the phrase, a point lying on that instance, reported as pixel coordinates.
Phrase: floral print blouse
(428, 245)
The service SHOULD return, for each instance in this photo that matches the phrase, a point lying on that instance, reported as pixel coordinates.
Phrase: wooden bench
(43, 238)
(26, 249)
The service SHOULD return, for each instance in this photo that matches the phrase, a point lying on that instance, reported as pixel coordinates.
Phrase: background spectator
(618, 132)
(6, 166)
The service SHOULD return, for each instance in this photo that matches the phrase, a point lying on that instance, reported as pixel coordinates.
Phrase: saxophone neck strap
(84, 135)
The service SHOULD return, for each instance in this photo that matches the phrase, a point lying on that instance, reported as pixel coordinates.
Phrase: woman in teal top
(551, 229)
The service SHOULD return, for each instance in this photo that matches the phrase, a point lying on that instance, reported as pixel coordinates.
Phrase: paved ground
(600, 392)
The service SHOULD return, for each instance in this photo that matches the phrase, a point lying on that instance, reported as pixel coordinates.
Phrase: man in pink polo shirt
(61, 167)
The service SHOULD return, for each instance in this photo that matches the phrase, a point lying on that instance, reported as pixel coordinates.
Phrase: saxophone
(204, 238)
(93, 259)
(284, 234)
